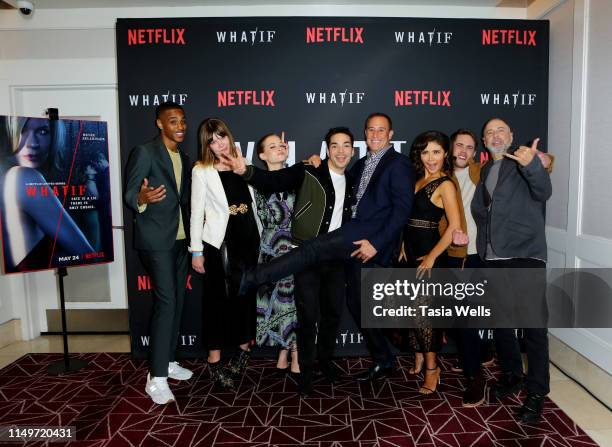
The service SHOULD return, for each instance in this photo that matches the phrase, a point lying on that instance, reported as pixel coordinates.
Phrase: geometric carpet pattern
(107, 403)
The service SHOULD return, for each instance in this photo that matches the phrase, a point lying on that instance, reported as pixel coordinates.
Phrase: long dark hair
(421, 142)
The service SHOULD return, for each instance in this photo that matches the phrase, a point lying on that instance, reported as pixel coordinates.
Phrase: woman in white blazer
(225, 234)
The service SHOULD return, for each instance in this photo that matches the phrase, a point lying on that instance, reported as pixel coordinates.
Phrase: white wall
(579, 213)
(66, 58)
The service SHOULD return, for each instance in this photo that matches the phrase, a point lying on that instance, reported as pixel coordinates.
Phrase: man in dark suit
(157, 189)
(383, 189)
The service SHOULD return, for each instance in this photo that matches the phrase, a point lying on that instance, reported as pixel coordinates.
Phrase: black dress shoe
(476, 391)
(305, 384)
(532, 408)
(507, 385)
(375, 372)
(331, 372)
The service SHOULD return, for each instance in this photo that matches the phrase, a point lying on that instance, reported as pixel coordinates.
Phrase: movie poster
(54, 193)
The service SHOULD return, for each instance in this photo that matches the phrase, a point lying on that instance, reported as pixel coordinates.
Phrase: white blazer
(210, 209)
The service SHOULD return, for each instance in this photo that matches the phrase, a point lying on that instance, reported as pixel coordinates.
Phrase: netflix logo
(342, 34)
(434, 98)
(143, 283)
(509, 37)
(156, 36)
(231, 98)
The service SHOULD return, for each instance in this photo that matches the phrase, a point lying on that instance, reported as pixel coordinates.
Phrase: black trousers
(319, 298)
(375, 339)
(324, 248)
(535, 340)
(168, 272)
(469, 342)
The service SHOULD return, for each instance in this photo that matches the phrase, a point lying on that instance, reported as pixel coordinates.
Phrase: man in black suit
(383, 189)
(157, 189)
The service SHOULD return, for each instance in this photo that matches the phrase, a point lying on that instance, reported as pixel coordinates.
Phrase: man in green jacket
(157, 190)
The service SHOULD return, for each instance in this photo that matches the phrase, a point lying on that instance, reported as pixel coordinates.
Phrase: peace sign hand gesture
(237, 164)
(523, 155)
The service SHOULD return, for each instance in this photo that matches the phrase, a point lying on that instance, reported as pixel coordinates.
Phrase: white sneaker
(157, 388)
(177, 372)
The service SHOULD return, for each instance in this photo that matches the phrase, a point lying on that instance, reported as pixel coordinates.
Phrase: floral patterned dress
(276, 314)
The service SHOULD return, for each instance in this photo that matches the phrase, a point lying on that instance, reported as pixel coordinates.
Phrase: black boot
(238, 363)
(375, 372)
(220, 376)
(531, 411)
(507, 385)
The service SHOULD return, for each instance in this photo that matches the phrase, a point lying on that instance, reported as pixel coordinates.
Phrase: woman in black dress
(423, 246)
(224, 242)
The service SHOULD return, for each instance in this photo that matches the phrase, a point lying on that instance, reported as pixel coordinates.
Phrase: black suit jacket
(385, 205)
(157, 226)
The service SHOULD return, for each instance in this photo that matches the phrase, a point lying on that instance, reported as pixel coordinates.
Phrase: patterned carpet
(107, 404)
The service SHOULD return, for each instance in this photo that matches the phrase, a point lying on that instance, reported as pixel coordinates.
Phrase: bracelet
(196, 254)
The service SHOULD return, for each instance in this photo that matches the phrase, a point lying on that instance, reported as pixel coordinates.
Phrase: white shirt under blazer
(210, 209)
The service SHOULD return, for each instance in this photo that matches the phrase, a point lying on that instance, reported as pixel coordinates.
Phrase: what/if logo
(248, 37)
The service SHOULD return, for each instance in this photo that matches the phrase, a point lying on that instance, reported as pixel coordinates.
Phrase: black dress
(230, 320)
(421, 234)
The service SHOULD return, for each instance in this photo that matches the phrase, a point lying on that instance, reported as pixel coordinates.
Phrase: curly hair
(420, 143)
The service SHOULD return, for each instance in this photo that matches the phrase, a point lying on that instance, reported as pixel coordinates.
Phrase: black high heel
(285, 370)
(295, 375)
(425, 390)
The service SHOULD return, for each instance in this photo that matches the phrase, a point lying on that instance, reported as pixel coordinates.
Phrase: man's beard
(498, 150)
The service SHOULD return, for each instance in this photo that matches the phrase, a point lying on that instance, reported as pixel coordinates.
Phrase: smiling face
(464, 147)
(274, 151)
(377, 133)
(432, 158)
(497, 136)
(172, 125)
(34, 143)
(339, 152)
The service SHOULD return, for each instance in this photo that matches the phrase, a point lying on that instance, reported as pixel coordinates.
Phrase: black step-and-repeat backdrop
(304, 75)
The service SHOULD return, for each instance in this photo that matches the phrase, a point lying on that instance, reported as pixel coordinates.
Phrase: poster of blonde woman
(54, 193)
